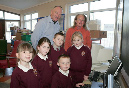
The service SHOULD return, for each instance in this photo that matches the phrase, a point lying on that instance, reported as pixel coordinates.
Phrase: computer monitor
(113, 69)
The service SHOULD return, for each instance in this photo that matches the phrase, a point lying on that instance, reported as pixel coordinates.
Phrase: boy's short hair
(59, 33)
(63, 56)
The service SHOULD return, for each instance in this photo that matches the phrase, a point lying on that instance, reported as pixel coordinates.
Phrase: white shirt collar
(64, 73)
(79, 47)
(24, 68)
(42, 57)
(55, 47)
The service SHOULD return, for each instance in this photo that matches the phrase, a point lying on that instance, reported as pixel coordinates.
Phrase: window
(78, 8)
(103, 10)
(11, 24)
(103, 4)
(8, 37)
(30, 21)
(11, 16)
(1, 14)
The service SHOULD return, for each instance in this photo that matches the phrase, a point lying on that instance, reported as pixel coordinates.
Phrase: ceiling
(22, 4)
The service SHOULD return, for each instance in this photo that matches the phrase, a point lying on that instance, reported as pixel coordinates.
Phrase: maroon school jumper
(61, 81)
(81, 62)
(21, 79)
(45, 70)
(54, 56)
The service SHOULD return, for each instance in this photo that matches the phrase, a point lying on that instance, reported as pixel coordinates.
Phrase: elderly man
(47, 27)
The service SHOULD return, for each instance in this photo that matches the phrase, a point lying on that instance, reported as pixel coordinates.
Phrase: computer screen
(113, 69)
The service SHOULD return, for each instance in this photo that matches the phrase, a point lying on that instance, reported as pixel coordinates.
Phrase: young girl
(43, 62)
(80, 56)
(25, 75)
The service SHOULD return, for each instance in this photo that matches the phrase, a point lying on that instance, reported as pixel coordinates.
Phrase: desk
(94, 84)
(97, 85)
(96, 39)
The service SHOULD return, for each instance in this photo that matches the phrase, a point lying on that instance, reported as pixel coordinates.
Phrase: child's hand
(85, 77)
(78, 84)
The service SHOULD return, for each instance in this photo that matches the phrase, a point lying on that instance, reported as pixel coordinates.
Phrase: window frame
(68, 20)
(29, 20)
(10, 13)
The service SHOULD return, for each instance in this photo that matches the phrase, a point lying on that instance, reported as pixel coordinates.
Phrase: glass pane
(1, 14)
(27, 17)
(102, 4)
(8, 37)
(72, 20)
(35, 15)
(11, 16)
(106, 18)
(27, 25)
(33, 24)
(11, 24)
(79, 8)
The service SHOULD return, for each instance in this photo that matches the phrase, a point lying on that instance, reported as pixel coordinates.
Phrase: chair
(3, 51)
(94, 53)
(104, 56)
(10, 60)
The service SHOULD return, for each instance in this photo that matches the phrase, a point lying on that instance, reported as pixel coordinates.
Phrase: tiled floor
(5, 81)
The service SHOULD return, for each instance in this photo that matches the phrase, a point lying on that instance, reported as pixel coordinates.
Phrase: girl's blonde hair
(78, 34)
(25, 46)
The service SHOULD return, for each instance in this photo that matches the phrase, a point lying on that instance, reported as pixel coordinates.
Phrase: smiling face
(56, 13)
(64, 63)
(58, 40)
(80, 21)
(77, 41)
(44, 48)
(24, 56)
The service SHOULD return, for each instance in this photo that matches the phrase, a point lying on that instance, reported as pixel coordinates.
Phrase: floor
(4, 81)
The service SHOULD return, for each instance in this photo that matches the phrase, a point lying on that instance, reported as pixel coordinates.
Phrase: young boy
(62, 78)
(56, 50)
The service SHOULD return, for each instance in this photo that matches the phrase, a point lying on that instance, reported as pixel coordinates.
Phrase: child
(43, 62)
(80, 56)
(62, 78)
(25, 75)
(56, 50)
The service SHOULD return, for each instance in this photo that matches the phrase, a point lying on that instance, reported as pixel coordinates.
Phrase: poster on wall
(61, 22)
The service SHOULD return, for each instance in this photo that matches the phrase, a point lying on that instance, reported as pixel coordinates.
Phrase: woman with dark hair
(79, 25)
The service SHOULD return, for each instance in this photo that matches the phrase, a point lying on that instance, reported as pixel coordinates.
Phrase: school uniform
(55, 53)
(23, 77)
(44, 66)
(62, 79)
(81, 62)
